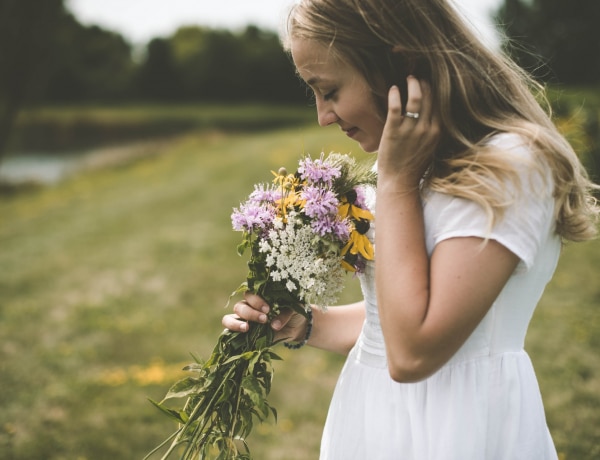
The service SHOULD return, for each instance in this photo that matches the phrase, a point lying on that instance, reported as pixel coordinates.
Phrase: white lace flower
(296, 257)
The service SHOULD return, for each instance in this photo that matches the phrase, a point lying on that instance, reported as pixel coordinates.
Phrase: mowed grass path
(110, 279)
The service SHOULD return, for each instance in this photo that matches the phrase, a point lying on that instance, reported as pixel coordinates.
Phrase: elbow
(410, 370)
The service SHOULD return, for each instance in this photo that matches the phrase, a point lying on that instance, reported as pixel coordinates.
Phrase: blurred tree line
(48, 57)
(557, 41)
(195, 64)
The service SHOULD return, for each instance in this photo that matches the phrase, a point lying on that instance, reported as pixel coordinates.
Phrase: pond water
(46, 168)
(51, 167)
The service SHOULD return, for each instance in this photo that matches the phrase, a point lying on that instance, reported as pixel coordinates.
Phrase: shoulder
(529, 169)
(523, 187)
(512, 145)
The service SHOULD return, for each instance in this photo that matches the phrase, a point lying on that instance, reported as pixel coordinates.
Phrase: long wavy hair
(477, 92)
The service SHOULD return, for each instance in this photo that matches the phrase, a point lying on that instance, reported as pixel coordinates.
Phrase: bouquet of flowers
(304, 231)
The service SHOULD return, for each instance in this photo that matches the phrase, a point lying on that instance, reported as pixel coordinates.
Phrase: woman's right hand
(408, 142)
(288, 325)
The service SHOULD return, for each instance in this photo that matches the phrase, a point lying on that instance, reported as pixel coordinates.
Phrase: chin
(369, 147)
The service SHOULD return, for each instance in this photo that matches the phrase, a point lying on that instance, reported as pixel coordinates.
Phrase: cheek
(375, 133)
(377, 124)
(373, 130)
(376, 115)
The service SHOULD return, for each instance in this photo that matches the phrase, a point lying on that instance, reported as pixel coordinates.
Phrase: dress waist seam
(377, 358)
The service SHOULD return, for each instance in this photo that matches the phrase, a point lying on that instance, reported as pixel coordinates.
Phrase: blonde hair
(478, 92)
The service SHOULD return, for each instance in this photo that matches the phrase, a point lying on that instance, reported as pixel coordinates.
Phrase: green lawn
(110, 279)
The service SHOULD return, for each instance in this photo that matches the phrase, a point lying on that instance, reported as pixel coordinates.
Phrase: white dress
(485, 403)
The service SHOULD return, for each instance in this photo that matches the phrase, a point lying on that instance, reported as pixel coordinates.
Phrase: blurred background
(128, 132)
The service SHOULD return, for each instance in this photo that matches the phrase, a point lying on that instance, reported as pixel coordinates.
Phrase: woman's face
(342, 94)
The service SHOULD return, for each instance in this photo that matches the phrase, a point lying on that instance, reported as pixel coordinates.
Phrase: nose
(325, 114)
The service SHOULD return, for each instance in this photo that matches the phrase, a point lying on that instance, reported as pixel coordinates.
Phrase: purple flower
(361, 199)
(264, 194)
(332, 226)
(252, 217)
(323, 226)
(320, 202)
(321, 205)
(341, 230)
(314, 171)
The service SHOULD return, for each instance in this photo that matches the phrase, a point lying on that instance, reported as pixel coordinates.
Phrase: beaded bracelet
(295, 346)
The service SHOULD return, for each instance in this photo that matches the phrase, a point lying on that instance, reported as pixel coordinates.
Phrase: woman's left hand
(409, 141)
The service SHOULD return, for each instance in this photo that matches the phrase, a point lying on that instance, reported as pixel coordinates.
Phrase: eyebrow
(313, 80)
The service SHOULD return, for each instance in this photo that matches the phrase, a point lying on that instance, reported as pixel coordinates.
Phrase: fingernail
(264, 309)
(276, 324)
(262, 318)
(244, 327)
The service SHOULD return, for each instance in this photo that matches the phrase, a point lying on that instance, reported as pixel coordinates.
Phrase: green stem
(157, 448)
(209, 408)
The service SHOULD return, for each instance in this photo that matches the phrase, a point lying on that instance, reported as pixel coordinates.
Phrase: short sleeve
(526, 222)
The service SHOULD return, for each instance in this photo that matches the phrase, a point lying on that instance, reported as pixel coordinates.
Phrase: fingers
(254, 309)
(234, 323)
(396, 114)
(410, 134)
(256, 302)
(394, 101)
(280, 321)
(415, 96)
(419, 105)
(244, 311)
(416, 102)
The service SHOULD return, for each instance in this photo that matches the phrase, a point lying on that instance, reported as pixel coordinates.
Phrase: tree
(27, 40)
(209, 62)
(90, 64)
(268, 71)
(157, 76)
(555, 39)
(227, 66)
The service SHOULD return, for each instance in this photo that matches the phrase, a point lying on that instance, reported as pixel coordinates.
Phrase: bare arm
(337, 328)
(333, 330)
(428, 308)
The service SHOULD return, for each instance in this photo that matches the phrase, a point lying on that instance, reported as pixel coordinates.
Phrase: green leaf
(170, 412)
(227, 390)
(184, 388)
(251, 385)
(226, 412)
(275, 356)
(244, 357)
(240, 290)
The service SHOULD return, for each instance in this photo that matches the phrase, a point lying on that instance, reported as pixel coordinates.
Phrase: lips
(350, 132)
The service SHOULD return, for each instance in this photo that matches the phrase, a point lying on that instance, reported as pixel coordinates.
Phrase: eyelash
(329, 95)
(312, 96)
(312, 100)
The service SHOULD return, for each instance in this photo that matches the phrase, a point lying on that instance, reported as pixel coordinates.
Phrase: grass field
(110, 279)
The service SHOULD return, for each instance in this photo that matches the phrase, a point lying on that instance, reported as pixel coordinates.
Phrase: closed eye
(310, 94)
(329, 95)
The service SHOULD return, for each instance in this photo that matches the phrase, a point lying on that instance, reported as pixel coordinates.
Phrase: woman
(476, 192)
